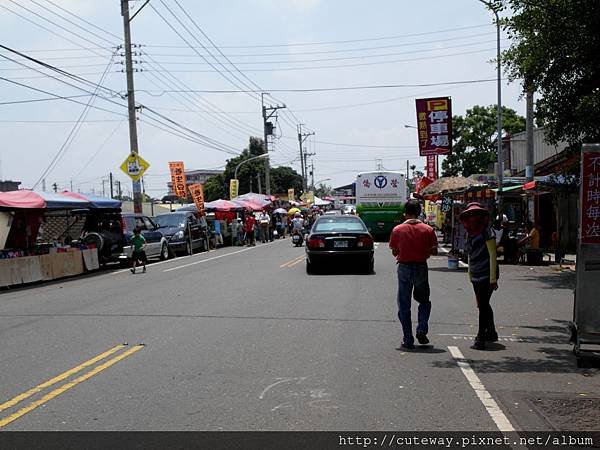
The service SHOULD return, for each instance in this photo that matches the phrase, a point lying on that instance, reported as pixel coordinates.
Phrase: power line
(73, 133)
(35, 100)
(342, 58)
(342, 66)
(343, 88)
(326, 52)
(190, 46)
(380, 38)
(48, 29)
(85, 21)
(70, 21)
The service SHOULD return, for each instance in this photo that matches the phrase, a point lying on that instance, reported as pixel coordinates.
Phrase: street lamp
(264, 155)
(320, 181)
(410, 126)
(495, 6)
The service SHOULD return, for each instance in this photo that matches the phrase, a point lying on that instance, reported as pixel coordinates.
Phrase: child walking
(139, 244)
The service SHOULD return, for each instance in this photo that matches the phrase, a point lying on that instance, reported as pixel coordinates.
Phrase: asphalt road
(244, 339)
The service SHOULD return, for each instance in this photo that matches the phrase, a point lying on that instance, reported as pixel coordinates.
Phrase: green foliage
(284, 178)
(215, 188)
(323, 190)
(475, 146)
(556, 50)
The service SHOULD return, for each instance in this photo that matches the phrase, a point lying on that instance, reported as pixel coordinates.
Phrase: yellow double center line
(65, 387)
(293, 262)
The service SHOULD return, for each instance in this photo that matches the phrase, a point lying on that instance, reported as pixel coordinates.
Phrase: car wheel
(369, 267)
(310, 267)
(164, 252)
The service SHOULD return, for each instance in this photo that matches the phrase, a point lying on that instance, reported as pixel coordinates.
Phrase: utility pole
(133, 139)
(306, 155)
(110, 175)
(302, 137)
(312, 174)
(529, 164)
(71, 185)
(44, 185)
(103, 190)
(267, 113)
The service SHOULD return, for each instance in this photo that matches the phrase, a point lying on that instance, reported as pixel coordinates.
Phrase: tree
(214, 188)
(284, 178)
(475, 146)
(323, 190)
(556, 51)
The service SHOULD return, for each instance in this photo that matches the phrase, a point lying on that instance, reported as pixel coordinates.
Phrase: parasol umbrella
(280, 211)
(221, 206)
(446, 184)
(251, 206)
(260, 199)
(293, 211)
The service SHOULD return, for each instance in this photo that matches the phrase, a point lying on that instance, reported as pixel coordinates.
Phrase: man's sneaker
(132, 270)
(422, 338)
(491, 337)
(406, 346)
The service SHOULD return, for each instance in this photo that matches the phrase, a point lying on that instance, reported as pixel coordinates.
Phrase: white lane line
(154, 264)
(490, 404)
(218, 257)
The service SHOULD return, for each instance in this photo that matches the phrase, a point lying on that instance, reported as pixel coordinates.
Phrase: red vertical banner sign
(590, 198)
(178, 178)
(432, 167)
(434, 124)
(197, 192)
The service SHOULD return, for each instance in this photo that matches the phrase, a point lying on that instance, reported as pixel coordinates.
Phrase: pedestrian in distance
(218, 234)
(249, 229)
(483, 269)
(138, 254)
(412, 243)
(264, 222)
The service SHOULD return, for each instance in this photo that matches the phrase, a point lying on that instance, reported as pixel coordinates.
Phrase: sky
(276, 47)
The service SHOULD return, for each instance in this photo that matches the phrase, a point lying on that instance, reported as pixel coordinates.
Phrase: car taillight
(315, 242)
(365, 242)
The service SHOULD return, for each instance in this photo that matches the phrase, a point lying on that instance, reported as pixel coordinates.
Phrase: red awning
(529, 186)
(22, 199)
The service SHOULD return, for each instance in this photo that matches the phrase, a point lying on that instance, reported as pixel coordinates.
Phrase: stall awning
(25, 199)
(94, 200)
(509, 188)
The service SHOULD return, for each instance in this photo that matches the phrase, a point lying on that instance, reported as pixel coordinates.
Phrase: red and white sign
(432, 167)
(590, 198)
(434, 125)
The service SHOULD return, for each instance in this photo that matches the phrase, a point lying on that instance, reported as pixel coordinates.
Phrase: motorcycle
(297, 238)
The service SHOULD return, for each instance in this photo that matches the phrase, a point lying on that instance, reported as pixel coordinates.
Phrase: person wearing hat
(483, 268)
(412, 243)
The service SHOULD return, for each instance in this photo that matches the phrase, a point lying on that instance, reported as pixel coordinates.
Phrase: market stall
(37, 241)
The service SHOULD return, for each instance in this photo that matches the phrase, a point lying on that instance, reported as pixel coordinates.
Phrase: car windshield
(170, 220)
(339, 224)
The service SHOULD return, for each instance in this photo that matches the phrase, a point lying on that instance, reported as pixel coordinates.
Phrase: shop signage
(197, 192)
(434, 125)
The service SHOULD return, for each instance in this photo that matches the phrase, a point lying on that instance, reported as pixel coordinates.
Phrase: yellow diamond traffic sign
(135, 166)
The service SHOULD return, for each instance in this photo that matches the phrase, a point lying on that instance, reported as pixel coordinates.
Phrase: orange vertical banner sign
(178, 178)
(197, 191)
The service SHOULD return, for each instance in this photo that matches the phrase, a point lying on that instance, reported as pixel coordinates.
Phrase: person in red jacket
(412, 243)
(249, 229)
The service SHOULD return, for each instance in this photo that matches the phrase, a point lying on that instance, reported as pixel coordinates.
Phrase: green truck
(380, 198)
